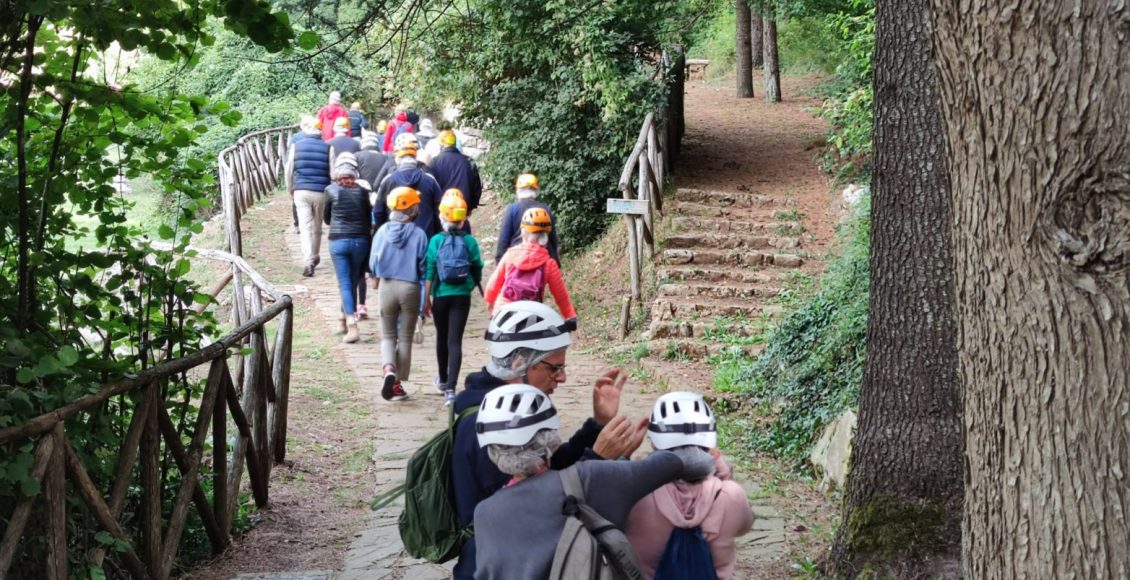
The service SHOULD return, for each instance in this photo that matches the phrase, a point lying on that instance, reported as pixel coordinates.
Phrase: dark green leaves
(308, 40)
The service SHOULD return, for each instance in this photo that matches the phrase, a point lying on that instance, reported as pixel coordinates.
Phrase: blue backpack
(686, 557)
(453, 261)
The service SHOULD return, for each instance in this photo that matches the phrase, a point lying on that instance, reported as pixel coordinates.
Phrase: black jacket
(347, 212)
(430, 196)
(454, 169)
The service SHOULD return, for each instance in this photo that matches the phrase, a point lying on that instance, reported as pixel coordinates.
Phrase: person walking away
(454, 170)
(397, 262)
(398, 125)
(372, 165)
(526, 269)
(526, 192)
(348, 215)
(357, 120)
(307, 175)
(426, 133)
(332, 111)
(528, 343)
(687, 528)
(342, 142)
(409, 174)
(454, 269)
(307, 127)
(518, 426)
(413, 119)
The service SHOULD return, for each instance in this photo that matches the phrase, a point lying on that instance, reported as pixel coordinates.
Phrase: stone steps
(732, 199)
(701, 308)
(769, 226)
(688, 349)
(719, 274)
(736, 256)
(730, 241)
(685, 329)
(729, 290)
(735, 214)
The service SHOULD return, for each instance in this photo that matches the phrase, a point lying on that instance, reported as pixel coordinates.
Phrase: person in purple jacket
(528, 343)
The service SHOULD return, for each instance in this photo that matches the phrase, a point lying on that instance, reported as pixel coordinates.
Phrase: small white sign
(627, 206)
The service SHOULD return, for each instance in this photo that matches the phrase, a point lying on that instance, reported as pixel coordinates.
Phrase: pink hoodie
(717, 506)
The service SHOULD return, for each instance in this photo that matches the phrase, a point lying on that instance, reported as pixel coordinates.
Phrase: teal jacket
(431, 270)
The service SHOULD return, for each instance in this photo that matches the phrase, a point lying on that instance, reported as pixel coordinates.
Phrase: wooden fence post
(55, 496)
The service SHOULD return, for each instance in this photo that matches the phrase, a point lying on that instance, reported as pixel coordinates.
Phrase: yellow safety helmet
(453, 208)
(447, 138)
(526, 181)
(382, 126)
(403, 198)
(537, 220)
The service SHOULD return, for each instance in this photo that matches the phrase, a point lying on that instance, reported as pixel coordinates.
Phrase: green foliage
(848, 106)
(560, 90)
(812, 366)
(85, 296)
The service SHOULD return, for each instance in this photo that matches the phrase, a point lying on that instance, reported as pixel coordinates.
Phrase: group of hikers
(523, 502)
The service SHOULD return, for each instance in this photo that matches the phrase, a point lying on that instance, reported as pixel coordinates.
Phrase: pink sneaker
(363, 311)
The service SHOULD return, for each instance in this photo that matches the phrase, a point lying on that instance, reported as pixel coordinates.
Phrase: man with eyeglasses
(528, 343)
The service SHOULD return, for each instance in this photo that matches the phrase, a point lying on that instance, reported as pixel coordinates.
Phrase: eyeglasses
(554, 370)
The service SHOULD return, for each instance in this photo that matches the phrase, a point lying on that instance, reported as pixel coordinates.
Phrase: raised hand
(606, 395)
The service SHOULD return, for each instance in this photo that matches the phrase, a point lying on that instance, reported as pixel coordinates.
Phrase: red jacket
(326, 117)
(401, 118)
(527, 257)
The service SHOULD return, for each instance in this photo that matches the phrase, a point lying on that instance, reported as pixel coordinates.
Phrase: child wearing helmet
(454, 269)
(712, 509)
(526, 189)
(517, 425)
(526, 269)
(397, 262)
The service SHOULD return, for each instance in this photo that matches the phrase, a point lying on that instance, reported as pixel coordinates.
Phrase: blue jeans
(349, 256)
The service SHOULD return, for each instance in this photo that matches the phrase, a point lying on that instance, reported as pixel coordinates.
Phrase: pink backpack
(524, 284)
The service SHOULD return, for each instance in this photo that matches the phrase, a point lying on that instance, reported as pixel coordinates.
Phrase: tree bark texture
(903, 500)
(742, 55)
(1036, 101)
(756, 39)
(772, 66)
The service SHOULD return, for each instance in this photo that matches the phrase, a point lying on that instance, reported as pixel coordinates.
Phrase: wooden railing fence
(650, 164)
(247, 389)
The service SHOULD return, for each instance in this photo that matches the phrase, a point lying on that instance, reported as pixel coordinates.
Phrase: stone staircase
(725, 258)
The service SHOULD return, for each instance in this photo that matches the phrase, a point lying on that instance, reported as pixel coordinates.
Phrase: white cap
(513, 414)
(335, 96)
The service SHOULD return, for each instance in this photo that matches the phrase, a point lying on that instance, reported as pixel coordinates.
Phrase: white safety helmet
(513, 414)
(526, 324)
(406, 141)
(682, 418)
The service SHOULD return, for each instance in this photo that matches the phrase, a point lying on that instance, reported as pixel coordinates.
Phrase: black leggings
(450, 316)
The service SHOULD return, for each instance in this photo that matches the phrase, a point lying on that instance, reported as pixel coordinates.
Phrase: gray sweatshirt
(517, 528)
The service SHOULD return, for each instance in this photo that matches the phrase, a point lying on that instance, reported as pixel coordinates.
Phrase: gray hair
(516, 364)
(539, 238)
(528, 459)
(449, 226)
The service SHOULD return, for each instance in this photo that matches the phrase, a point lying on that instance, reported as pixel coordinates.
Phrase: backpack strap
(571, 482)
(452, 418)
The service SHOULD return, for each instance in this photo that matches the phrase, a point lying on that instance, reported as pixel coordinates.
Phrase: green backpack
(429, 524)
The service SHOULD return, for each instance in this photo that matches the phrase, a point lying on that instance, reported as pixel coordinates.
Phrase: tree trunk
(903, 499)
(744, 65)
(756, 39)
(772, 67)
(1036, 102)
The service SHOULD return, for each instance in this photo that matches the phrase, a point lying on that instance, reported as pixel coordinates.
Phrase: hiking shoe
(398, 392)
(449, 397)
(308, 271)
(442, 388)
(390, 383)
(363, 311)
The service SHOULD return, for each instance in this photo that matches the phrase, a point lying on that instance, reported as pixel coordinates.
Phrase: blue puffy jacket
(475, 477)
(311, 164)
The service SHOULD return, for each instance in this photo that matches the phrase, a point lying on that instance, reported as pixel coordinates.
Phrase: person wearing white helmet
(517, 425)
(528, 343)
(713, 509)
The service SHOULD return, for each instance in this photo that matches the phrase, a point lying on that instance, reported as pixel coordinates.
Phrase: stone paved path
(377, 553)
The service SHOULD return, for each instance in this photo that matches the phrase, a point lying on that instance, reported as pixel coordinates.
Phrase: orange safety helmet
(403, 198)
(537, 220)
(453, 208)
(526, 181)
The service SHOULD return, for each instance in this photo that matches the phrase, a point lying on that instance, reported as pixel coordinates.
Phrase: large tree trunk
(902, 509)
(756, 39)
(772, 67)
(1036, 101)
(744, 65)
